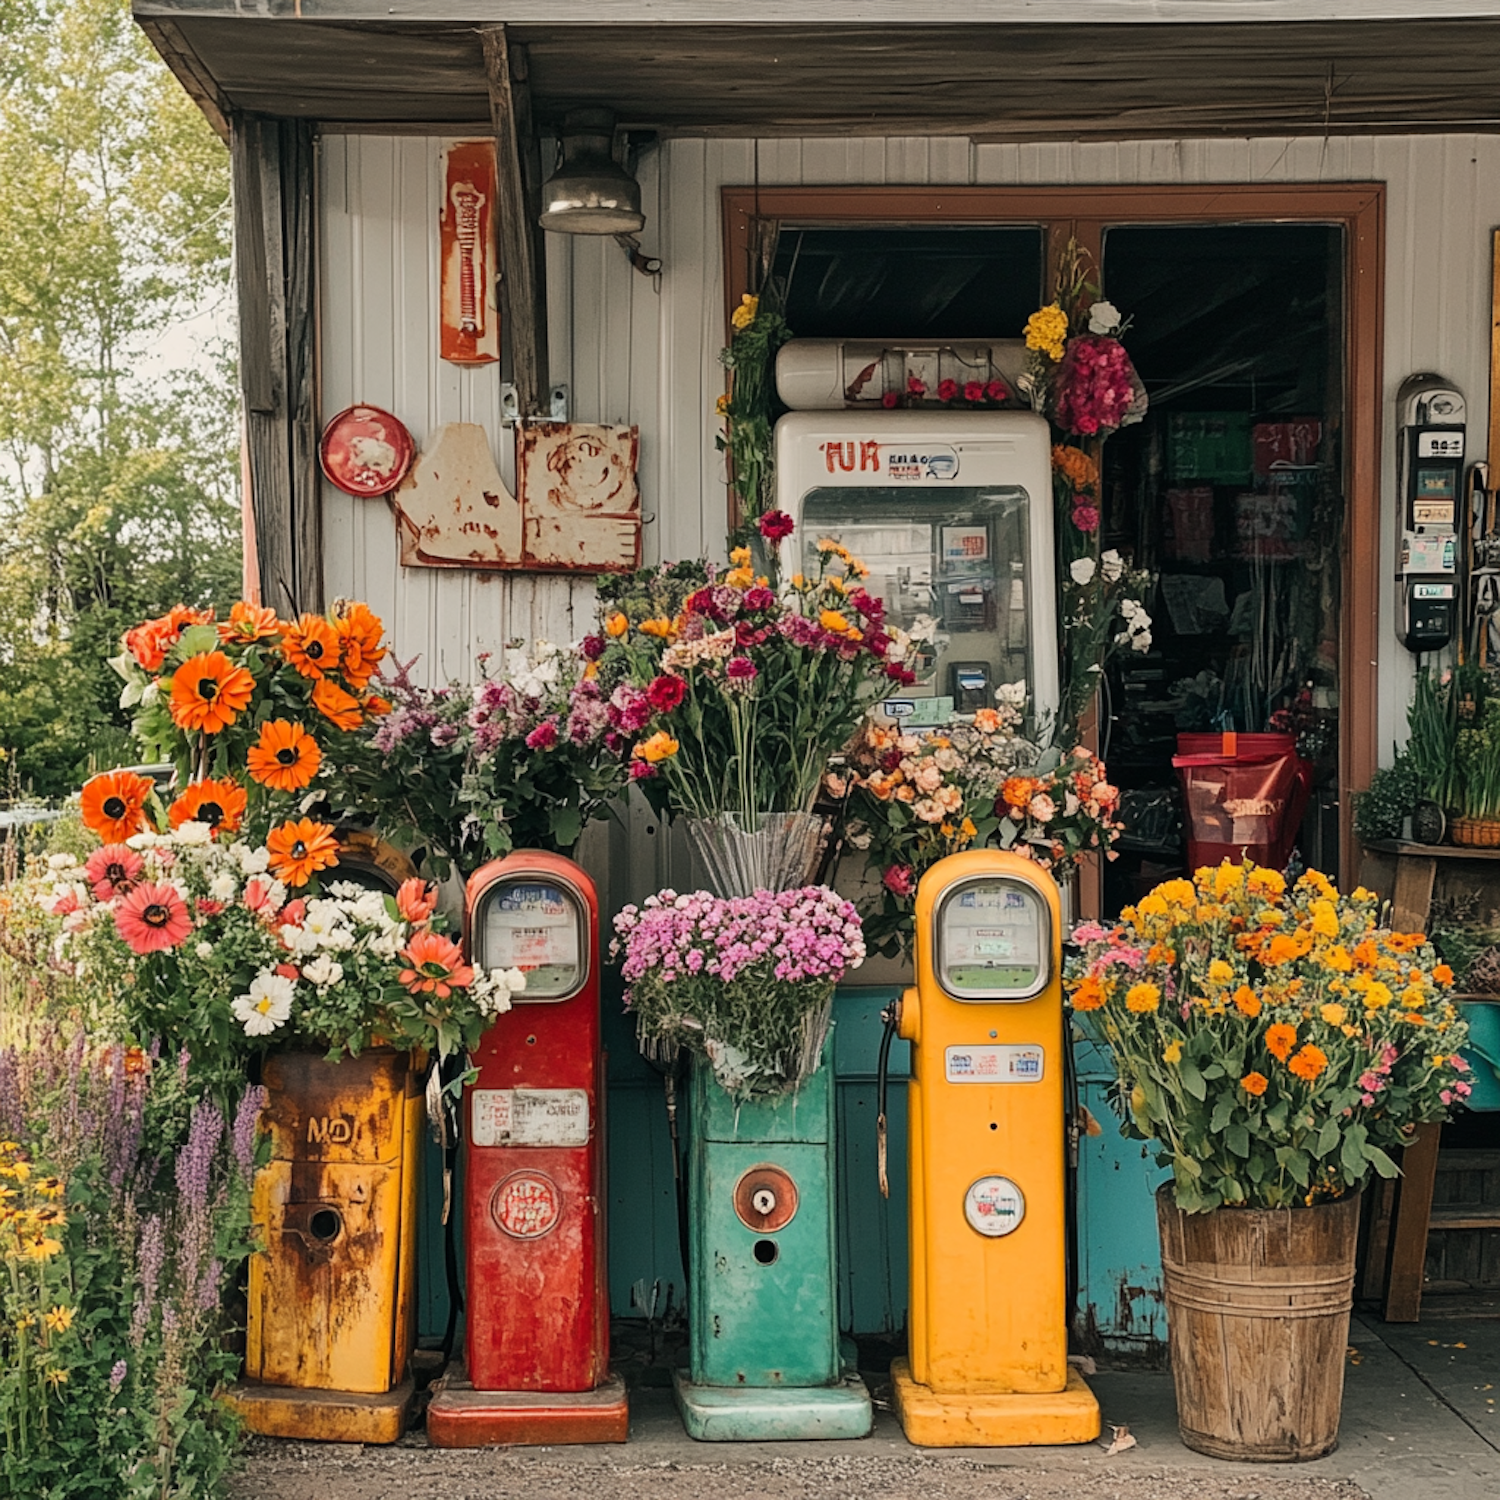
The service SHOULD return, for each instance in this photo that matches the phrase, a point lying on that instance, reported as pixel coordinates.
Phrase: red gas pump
(537, 1315)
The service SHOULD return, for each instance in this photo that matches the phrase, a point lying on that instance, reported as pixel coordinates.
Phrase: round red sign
(366, 451)
(526, 1205)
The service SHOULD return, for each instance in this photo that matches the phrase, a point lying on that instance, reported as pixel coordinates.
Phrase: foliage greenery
(117, 492)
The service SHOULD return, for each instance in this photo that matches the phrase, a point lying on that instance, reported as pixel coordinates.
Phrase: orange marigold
(1080, 470)
(1309, 1062)
(114, 805)
(1142, 998)
(1018, 791)
(1442, 975)
(311, 646)
(248, 623)
(300, 849)
(1247, 1002)
(1088, 994)
(1254, 1083)
(1280, 1039)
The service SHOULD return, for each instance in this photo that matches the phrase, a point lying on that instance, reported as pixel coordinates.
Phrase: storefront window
(1231, 491)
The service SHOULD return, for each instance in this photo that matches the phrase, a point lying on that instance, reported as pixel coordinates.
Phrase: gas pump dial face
(535, 924)
(994, 1207)
(765, 1199)
(994, 940)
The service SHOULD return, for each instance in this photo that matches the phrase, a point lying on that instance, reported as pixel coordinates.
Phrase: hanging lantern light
(591, 193)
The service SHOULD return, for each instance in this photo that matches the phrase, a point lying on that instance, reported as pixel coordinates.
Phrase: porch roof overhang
(1012, 71)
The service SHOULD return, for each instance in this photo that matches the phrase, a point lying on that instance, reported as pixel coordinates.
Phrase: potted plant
(737, 689)
(745, 983)
(1432, 750)
(1276, 1046)
(1477, 754)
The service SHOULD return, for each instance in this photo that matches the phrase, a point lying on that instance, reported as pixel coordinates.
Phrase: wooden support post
(273, 231)
(519, 203)
(1409, 1224)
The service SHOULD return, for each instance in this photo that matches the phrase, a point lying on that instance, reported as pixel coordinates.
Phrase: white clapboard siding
(645, 350)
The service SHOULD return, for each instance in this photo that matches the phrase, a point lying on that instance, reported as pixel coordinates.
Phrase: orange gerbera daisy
(311, 645)
(220, 804)
(1280, 1039)
(359, 632)
(300, 849)
(341, 709)
(114, 805)
(285, 757)
(249, 622)
(209, 692)
(437, 965)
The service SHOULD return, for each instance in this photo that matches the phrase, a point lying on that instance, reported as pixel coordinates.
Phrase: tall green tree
(118, 486)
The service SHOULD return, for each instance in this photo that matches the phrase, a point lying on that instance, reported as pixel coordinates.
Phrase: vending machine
(949, 505)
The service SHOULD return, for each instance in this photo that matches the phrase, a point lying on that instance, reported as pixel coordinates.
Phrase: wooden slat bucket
(1258, 1325)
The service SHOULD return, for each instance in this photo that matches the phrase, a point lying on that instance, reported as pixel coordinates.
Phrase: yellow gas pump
(988, 1340)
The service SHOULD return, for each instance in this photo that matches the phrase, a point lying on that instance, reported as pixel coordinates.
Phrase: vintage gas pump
(1429, 477)
(331, 1309)
(536, 1327)
(765, 1359)
(988, 1362)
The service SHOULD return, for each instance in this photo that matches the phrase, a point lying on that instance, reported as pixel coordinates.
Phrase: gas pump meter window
(994, 941)
(536, 925)
(958, 554)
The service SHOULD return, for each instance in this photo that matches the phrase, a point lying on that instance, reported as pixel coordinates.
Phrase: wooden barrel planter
(1258, 1307)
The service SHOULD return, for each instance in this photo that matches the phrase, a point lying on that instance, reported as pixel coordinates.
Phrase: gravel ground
(412, 1471)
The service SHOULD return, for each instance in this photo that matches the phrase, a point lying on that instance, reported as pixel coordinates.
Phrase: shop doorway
(1251, 487)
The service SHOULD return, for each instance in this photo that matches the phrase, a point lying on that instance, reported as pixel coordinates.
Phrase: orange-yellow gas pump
(988, 1362)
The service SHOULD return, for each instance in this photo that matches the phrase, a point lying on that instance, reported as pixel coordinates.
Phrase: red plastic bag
(1245, 796)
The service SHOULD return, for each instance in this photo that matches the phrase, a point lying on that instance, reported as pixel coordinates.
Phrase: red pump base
(461, 1417)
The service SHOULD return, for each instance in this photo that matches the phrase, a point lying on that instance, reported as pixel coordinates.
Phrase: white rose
(1141, 642)
(1112, 564)
(1012, 693)
(61, 861)
(1082, 569)
(192, 832)
(1104, 317)
(323, 971)
(252, 861)
(223, 886)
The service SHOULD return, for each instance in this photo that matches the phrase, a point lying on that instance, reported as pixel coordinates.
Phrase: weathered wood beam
(190, 71)
(273, 232)
(518, 204)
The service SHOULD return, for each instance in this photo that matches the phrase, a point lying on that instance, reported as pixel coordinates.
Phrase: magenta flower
(776, 524)
(899, 880)
(543, 737)
(947, 390)
(973, 390)
(1086, 517)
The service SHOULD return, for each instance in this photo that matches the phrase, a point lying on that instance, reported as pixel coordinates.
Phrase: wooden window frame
(1083, 213)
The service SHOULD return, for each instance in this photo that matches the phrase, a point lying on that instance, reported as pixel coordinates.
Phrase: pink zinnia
(741, 669)
(1086, 518)
(152, 917)
(112, 871)
(898, 880)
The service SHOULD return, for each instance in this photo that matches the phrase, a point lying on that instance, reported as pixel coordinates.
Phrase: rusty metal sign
(453, 509)
(530, 1117)
(578, 491)
(466, 225)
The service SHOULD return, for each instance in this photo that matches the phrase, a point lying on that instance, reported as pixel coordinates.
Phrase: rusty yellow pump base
(1018, 1420)
(287, 1411)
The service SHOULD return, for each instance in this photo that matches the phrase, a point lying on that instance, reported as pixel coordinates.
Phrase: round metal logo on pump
(765, 1199)
(994, 1206)
(526, 1205)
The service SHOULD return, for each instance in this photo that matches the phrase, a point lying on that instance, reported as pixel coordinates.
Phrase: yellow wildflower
(660, 746)
(740, 557)
(739, 578)
(721, 406)
(1333, 1014)
(744, 315)
(1267, 882)
(616, 625)
(831, 620)
(660, 627)
(1220, 972)
(1172, 1052)
(1377, 995)
(1325, 919)
(1142, 998)
(59, 1320)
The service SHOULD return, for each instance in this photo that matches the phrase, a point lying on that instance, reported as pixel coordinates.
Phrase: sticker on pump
(918, 462)
(994, 1206)
(988, 1063)
(530, 1117)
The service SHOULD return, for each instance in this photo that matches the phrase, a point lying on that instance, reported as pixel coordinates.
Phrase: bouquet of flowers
(1275, 1044)
(748, 406)
(738, 699)
(247, 710)
(526, 758)
(206, 950)
(912, 799)
(746, 982)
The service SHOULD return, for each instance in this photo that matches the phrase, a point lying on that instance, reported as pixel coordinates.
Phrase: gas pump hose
(888, 1015)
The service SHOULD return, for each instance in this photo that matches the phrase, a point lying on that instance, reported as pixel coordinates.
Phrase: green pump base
(758, 1414)
(982, 1420)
